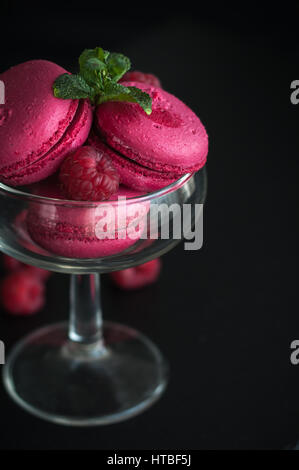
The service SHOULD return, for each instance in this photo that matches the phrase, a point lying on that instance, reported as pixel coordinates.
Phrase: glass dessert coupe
(88, 372)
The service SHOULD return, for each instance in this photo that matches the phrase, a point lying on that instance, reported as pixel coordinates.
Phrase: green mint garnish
(117, 92)
(67, 85)
(97, 79)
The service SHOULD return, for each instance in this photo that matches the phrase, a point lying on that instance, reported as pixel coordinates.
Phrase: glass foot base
(77, 385)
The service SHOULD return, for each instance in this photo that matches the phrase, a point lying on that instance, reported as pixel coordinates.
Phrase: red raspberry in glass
(137, 277)
(136, 76)
(22, 293)
(88, 175)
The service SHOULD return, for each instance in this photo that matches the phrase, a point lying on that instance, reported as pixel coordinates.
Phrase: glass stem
(86, 323)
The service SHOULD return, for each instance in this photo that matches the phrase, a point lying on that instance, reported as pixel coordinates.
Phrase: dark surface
(224, 316)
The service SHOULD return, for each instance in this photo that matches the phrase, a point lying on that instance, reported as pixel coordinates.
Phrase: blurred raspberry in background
(22, 293)
(137, 277)
(11, 264)
(22, 290)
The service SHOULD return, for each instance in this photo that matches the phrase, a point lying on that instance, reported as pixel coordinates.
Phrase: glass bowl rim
(14, 192)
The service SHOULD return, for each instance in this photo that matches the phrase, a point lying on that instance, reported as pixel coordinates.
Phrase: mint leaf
(72, 87)
(115, 64)
(116, 92)
(101, 54)
(97, 53)
(93, 67)
(118, 65)
(113, 92)
(142, 98)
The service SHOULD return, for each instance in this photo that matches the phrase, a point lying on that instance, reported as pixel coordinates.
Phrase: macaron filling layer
(121, 161)
(171, 171)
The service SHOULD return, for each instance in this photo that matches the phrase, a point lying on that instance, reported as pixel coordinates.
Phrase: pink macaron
(85, 230)
(150, 151)
(36, 129)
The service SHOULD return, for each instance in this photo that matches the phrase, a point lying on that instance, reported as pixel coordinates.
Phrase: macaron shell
(32, 118)
(74, 137)
(131, 173)
(171, 139)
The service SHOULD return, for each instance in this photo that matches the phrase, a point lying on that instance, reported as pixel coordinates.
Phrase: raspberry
(22, 293)
(137, 277)
(137, 76)
(88, 175)
(11, 264)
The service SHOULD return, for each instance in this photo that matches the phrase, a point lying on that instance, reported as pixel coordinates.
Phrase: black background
(224, 316)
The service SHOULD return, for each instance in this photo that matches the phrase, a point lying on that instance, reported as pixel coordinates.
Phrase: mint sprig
(97, 80)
